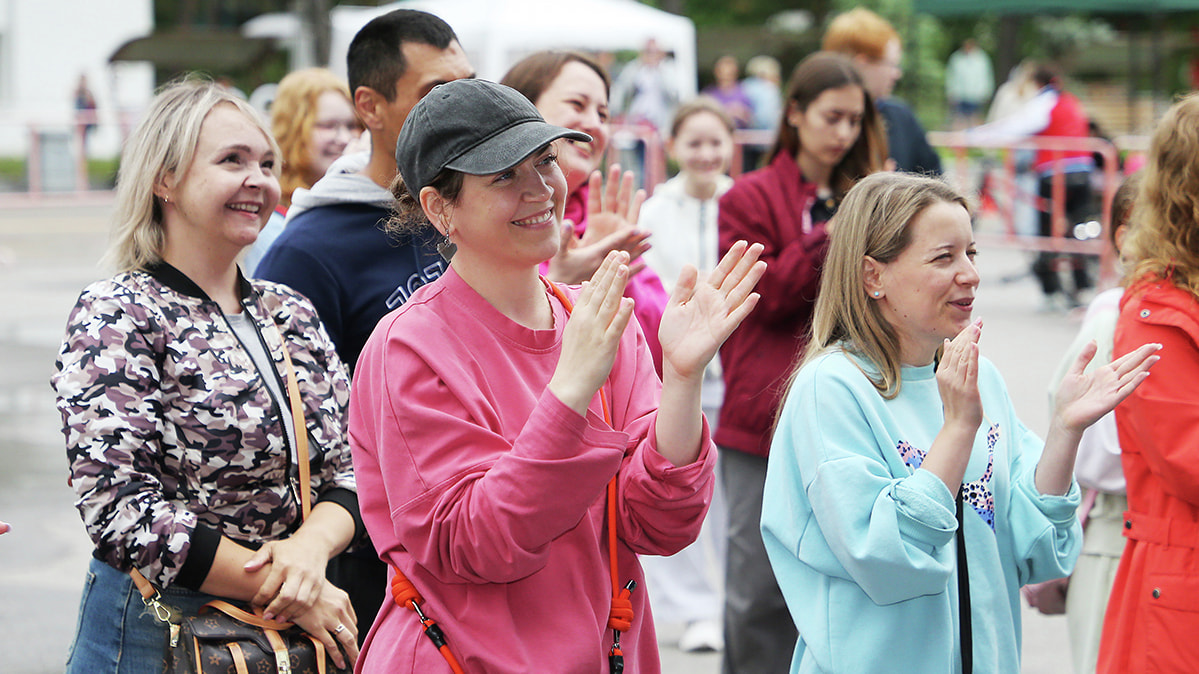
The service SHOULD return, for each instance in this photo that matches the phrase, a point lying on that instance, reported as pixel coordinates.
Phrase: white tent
(498, 33)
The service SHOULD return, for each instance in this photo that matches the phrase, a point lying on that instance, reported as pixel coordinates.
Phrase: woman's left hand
(1084, 397)
(294, 582)
(702, 314)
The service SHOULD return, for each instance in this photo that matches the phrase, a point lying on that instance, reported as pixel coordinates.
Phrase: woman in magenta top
(570, 89)
(477, 427)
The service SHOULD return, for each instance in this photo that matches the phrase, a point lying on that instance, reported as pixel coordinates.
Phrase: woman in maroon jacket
(829, 137)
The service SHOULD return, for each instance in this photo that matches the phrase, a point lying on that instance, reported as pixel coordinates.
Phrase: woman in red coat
(1153, 615)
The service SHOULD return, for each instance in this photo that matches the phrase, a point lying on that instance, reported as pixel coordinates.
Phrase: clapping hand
(612, 213)
(592, 334)
(702, 314)
(1084, 397)
(957, 378)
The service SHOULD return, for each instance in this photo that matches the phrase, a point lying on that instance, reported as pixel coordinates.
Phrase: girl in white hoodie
(685, 588)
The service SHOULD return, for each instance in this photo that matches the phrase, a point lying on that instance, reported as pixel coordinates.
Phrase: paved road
(48, 253)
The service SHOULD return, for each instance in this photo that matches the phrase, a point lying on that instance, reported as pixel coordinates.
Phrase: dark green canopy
(969, 7)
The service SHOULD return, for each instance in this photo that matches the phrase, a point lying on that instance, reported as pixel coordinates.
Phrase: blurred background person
(829, 137)
(763, 87)
(1054, 113)
(682, 215)
(170, 381)
(644, 92)
(313, 120)
(644, 96)
(727, 91)
(84, 102)
(969, 83)
(877, 52)
(1151, 621)
(571, 90)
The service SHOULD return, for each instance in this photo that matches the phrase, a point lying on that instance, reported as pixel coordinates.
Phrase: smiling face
(510, 219)
(335, 126)
(703, 147)
(927, 293)
(829, 126)
(221, 201)
(578, 100)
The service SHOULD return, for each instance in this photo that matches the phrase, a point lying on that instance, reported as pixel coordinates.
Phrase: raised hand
(592, 334)
(1084, 397)
(611, 207)
(612, 213)
(576, 262)
(702, 314)
(957, 379)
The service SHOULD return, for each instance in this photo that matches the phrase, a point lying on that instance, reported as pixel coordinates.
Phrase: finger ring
(340, 628)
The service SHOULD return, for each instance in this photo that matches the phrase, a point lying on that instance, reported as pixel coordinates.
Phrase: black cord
(966, 633)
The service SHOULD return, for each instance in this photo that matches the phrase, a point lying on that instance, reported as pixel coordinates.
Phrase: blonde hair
(1165, 241)
(293, 115)
(859, 32)
(874, 220)
(162, 144)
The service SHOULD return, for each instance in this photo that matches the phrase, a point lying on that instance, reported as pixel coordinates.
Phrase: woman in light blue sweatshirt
(891, 418)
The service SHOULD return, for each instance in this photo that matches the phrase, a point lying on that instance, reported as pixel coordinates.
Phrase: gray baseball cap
(473, 126)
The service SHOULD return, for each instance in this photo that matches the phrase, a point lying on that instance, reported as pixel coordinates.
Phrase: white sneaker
(702, 636)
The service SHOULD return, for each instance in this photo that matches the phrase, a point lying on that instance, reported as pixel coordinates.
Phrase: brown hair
(701, 103)
(813, 76)
(533, 74)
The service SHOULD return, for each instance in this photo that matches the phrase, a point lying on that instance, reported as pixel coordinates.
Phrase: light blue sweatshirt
(862, 541)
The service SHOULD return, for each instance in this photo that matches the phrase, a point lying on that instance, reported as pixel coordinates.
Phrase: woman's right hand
(592, 335)
(957, 379)
(331, 611)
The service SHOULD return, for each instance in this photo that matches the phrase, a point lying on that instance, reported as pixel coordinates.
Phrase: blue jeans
(116, 634)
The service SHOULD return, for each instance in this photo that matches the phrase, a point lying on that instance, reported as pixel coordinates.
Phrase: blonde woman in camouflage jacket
(171, 383)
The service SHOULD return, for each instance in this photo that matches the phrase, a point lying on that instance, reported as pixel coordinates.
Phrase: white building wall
(45, 45)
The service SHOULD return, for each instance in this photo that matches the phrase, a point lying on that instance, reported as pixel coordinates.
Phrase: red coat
(770, 206)
(1152, 621)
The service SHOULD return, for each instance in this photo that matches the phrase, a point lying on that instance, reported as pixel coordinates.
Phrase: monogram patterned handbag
(223, 638)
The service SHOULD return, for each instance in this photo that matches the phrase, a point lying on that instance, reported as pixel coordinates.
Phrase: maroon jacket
(771, 206)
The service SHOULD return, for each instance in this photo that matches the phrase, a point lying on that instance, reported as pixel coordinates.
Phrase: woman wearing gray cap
(503, 426)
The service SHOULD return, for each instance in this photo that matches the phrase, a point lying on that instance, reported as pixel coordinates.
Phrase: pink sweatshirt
(488, 492)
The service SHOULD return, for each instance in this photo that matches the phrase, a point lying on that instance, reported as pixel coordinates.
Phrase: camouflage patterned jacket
(173, 437)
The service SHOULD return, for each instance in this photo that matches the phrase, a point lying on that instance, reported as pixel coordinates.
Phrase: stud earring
(876, 293)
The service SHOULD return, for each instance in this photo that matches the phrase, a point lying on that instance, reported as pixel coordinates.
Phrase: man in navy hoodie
(334, 249)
